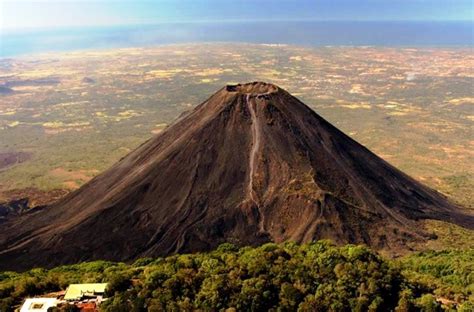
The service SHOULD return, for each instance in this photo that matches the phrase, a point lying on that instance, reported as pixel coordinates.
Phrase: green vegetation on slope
(448, 274)
(285, 277)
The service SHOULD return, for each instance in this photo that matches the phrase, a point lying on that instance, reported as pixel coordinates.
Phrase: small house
(78, 292)
(38, 304)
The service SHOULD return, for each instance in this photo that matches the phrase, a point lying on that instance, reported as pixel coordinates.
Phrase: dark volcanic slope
(249, 165)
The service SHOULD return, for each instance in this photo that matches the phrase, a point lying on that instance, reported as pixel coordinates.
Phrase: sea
(302, 33)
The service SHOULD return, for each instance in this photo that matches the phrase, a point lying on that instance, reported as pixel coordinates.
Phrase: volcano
(251, 164)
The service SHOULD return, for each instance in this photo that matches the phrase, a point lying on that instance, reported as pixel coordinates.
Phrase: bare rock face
(251, 164)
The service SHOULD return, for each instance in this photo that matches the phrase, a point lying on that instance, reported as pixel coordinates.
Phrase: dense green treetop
(272, 277)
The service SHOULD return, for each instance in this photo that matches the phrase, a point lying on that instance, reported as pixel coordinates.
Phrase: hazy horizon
(20, 14)
(300, 33)
(29, 27)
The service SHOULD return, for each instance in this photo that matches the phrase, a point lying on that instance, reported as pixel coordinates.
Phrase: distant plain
(67, 116)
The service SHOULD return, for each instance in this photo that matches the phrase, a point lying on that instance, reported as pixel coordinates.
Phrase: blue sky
(17, 14)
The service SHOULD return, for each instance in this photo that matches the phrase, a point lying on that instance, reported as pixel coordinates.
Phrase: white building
(38, 304)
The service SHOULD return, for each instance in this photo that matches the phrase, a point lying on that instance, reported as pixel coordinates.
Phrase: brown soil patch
(71, 176)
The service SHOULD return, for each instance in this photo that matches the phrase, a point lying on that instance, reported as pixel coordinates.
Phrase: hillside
(252, 164)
